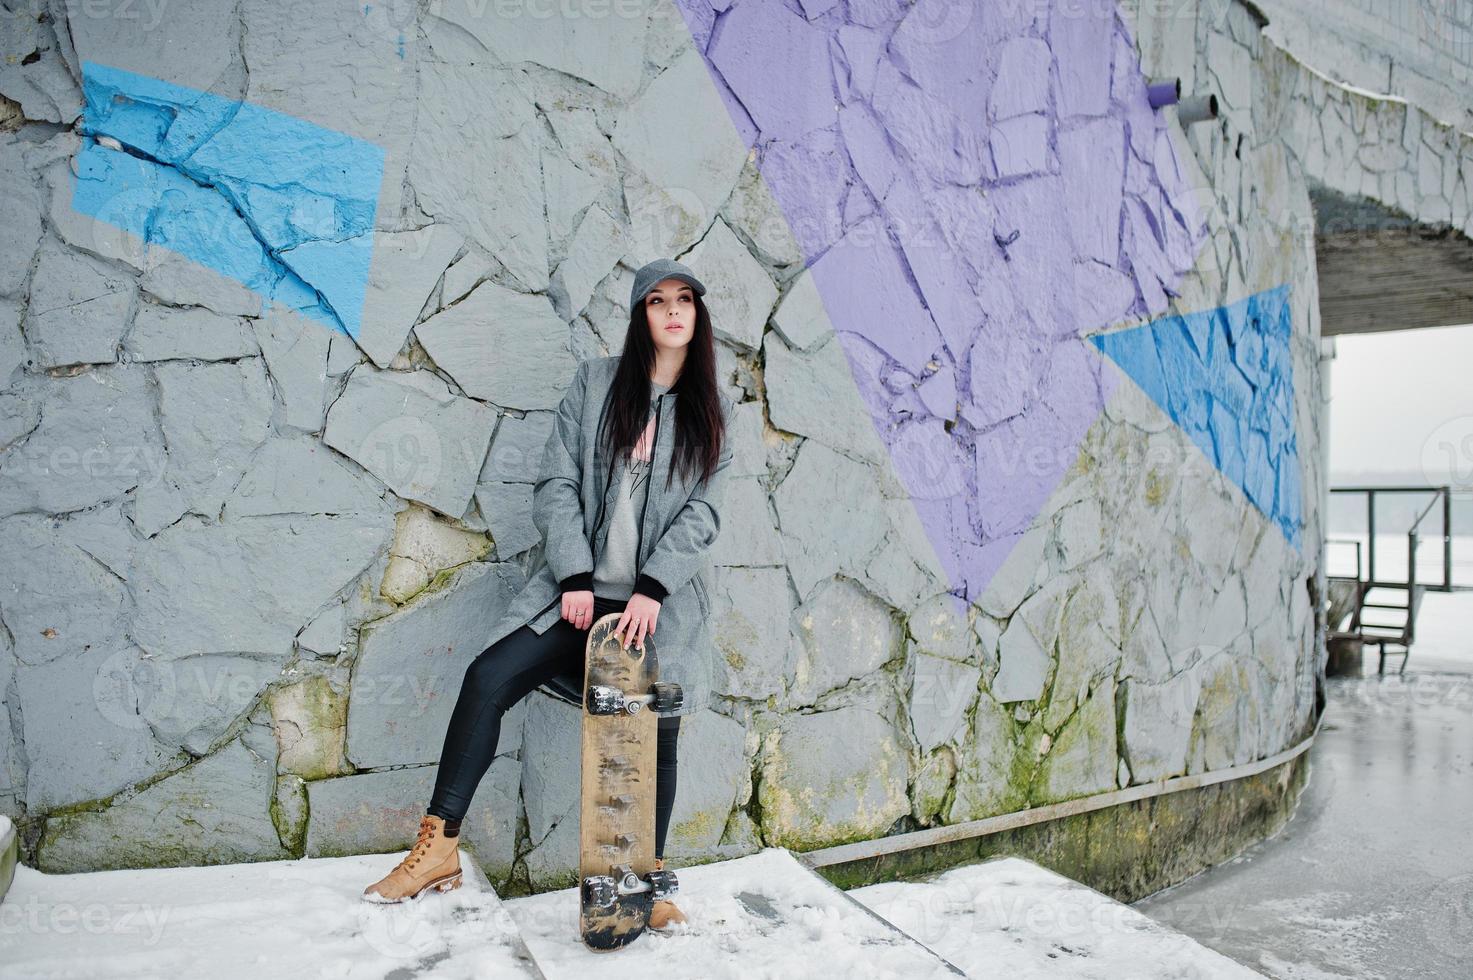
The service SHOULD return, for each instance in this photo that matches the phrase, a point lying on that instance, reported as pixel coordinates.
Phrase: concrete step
(279, 919)
(1010, 917)
(763, 915)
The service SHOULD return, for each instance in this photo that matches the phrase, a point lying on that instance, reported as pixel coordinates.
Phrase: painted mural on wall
(328, 314)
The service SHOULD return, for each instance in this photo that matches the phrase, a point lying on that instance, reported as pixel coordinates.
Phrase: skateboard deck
(621, 695)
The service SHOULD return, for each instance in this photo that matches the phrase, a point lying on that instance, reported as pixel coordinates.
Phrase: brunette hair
(699, 429)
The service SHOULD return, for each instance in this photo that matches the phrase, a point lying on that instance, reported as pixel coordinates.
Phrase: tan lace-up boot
(433, 862)
(664, 913)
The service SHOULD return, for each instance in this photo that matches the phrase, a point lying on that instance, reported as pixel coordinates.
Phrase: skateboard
(621, 694)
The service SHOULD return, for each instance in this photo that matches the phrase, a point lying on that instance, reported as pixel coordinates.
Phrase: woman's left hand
(638, 620)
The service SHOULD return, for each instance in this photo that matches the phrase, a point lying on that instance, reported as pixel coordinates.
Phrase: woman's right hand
(578, 608)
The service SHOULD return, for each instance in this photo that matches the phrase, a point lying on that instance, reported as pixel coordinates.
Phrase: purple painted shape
(979, 185)
(779, 63)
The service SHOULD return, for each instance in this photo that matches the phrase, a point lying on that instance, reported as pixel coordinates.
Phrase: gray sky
(1402, 402)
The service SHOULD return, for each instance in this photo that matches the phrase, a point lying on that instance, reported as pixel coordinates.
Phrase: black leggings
(499, 677)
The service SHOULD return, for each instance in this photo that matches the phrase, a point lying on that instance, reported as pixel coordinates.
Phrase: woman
(625, 530)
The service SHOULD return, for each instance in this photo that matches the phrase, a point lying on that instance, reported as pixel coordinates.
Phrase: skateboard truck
(604, 700)
(604, 890)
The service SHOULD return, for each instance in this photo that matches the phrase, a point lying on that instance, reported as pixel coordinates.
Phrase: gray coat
(678, 527)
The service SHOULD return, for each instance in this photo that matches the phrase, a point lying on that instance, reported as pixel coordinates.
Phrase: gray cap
(650, 274)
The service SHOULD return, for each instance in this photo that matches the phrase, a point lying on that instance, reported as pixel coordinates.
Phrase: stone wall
(1420, 50)
(1027, 475)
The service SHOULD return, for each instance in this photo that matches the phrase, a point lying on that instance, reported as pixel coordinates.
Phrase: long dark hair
(699, 431)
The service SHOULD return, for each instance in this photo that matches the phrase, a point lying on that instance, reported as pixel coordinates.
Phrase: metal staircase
(1383, 610)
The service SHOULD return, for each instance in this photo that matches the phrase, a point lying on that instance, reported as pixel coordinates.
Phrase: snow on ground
(756, 917)
(760, 916)
(277, 919)
(1009, 917)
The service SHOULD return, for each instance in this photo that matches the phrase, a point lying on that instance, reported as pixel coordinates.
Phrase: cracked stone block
(482, 167)
(197, 698)
(432, 542)
(939, 631)
(1027, 645)
(739, 294)
(801, 318)
(984, 773)
(830, 777)
(792, 42)
(406, 266)
(296, 353)
(12, 353)
(288, 567)
(754, 212)
(1024, 665)
(78, 308)
(324, 635)
(379, 812)
(164, 333)
(894, 576)
(502, 346)
(342, 354)
(813, 394)
(941, 692)
(1082, 49)
(1088, 652)
(747, 432)
(1022, 78)
(1158, 725)
(1094, 208)
(603, 46)
(301, 476)
(66, 582)
(746, 508)
(409, 430)
(568, 189)
(1229, 712)
(552, 746)
(85, 731)
(465, 274)
(411, 664)
(214, 811)
(20, 219)
(213, 418)
(508, 510)
(713, 746)
(309, 718)
(516, 450)
(755, 654)
(695, 174)
(1083, 759)
(596, 248)
(1020, 146)
(843, 633)
(823, 483)
(932, 781)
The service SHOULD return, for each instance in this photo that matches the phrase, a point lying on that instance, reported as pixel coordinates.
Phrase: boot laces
(421, 843)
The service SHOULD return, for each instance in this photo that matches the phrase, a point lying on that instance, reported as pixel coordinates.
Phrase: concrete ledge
(1127, 851)
(9, 854)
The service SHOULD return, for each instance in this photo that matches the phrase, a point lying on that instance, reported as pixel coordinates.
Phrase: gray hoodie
(571, 506)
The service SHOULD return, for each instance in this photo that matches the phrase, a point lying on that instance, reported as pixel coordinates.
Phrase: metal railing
(1367, 580)
(1443, 495)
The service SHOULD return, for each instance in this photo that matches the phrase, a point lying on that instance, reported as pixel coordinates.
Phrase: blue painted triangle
(1226, 377)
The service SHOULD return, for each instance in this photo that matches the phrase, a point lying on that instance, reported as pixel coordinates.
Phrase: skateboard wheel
(598, 891)
(668, 697)
(662, 884)
(602, 700)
